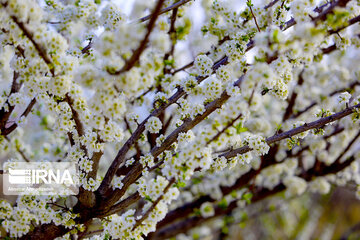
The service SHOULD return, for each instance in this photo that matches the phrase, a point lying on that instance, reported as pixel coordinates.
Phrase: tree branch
(4, 115)
(138, 222)
(258, 194)
(29, 35)
(121, 156)
(307, 126)
(28, 109)
(347, 147)
(137, 53)
(174, 6)
(252, 13)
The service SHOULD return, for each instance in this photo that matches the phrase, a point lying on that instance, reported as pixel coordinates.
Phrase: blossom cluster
(157, 114)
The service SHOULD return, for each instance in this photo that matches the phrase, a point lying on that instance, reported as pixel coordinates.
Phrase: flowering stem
(137, 53)
(4, 115)
(272, 3)
(29, 35)
(26, 112)
(292, 99)
(252, 13)
(175, 5)
(121, 156)
(347, 147)
(19, 151)
(351, 86)
(167, 231)
(153, 205)
(307, 126)
(224, 129)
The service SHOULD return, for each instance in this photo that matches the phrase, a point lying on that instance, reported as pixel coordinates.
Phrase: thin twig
(29, 35)
(230, 124)
(28, 109)
(271, 4)
(87, 48)
(5, 115)
(138, 222)
(175, 5)
(19, 150)
(292, 99)
(351, 86)
(137, 53)
(252, 13)
(347, 147)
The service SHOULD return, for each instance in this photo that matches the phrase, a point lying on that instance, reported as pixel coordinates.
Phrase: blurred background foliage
(311, 216)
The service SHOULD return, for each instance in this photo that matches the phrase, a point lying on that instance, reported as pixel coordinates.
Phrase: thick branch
(123, 204)
(350, 22)
(121, 156)
(329, 10)
(76, 117)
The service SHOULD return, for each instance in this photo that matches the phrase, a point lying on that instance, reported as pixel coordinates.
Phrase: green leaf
(184, 30)
(240, 128)
(247, 197)
(204, 29)
(107, 236)
(244, 216)
(242, 225)
(195, 236)
(147, 198)
(169, 62)
(225, 230)
(233, 194)
(245, 38)
(223, 204)
(229, 219)
(196, 180)
(272, 207)
(180, 184)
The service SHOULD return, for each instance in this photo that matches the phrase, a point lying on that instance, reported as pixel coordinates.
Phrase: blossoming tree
(269, 103)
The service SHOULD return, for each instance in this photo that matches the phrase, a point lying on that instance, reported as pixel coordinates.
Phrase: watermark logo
(45, 178)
